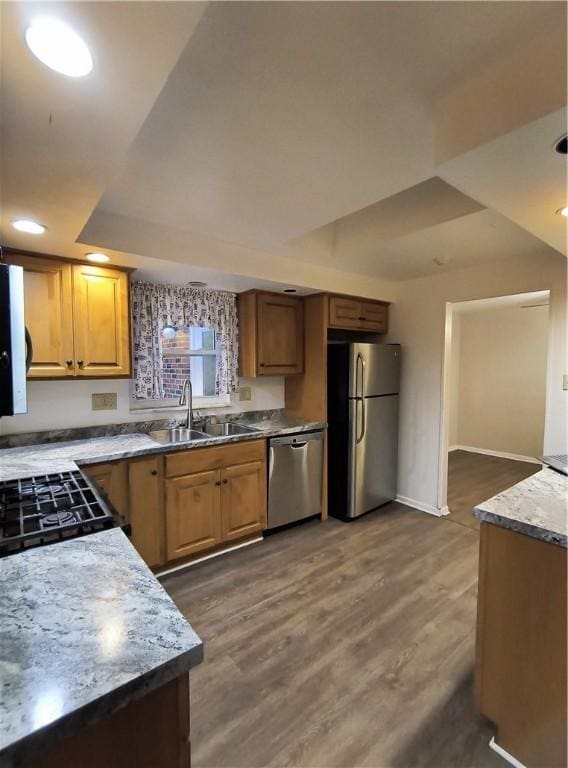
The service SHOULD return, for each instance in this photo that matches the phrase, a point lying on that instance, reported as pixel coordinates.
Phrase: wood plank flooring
(339, 644)
(474, 477)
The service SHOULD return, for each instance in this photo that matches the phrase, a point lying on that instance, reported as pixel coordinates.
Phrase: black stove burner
(59, 518)
(40, 510)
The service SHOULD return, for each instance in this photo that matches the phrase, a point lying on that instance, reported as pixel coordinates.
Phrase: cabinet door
(101, 321)
(48, 315)
(374, 317)
(145, 484)
(344, 313)
(112, 479)
(193, 513)
(243, 501)
(280, 335)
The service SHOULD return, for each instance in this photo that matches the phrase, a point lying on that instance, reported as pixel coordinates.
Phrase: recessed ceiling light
(290, 290)
(98, 257)
(58, 47)
(561, 146)
(28, 226)
(197, 284)
(563, 211)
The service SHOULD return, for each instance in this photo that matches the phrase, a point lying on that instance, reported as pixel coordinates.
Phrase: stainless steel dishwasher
(295, 465)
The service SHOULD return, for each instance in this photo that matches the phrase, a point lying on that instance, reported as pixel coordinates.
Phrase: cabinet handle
(154, 472)
(69, 363)
(80, 363)
(217, 482)
(225, 482)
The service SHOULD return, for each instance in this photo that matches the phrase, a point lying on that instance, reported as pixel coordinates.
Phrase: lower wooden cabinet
(193, 513)
(135, 490)
(112, 479)
(224, 502)
(146, 508)
(243, 505)
(189, 501)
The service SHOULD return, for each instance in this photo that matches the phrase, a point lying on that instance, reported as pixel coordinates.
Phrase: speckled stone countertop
(85, 627)
(48, 458)
(536, 507)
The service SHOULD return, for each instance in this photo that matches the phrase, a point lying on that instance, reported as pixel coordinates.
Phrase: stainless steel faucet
(185, 400)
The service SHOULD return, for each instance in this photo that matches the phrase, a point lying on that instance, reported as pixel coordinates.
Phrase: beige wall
(498, 381)
(67, 404)
(418, 323)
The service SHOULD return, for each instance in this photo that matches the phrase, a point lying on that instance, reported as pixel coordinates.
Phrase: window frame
(172, 404)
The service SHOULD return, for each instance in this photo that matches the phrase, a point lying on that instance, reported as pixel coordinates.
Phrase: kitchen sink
(176, 435)
(227, 429)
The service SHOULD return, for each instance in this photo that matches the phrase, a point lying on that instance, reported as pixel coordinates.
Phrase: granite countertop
(85, 627)
(46, 458)
(537, 507)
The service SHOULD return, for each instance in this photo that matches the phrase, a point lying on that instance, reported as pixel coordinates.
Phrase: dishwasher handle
(299, 440)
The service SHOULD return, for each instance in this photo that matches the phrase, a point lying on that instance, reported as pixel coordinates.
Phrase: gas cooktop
(48, 508)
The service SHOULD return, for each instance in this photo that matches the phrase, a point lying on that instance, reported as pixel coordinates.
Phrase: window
(180, 332)
(189, 352)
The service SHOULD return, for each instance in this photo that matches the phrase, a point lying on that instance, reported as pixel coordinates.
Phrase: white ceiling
(292, 129)
(520, 175)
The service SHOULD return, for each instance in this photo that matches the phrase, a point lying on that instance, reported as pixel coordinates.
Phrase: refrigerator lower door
(373, 451)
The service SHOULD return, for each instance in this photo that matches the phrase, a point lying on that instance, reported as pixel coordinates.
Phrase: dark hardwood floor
(474, 477)
(339, 644)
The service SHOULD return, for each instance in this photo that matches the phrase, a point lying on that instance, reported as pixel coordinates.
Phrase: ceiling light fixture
(197, 284)
(58, 47)
(28, 226)
(100, 258)
(563, 211)
(168, 332)
(290, 290)
(561, 145)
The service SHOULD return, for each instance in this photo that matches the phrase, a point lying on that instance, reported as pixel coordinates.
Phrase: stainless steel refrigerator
(363, 392)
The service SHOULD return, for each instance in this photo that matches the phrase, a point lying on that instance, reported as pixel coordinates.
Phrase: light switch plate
(104, 401)
(245, 393)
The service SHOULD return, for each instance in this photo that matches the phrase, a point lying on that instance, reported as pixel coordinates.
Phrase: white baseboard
(499, 454)
(183, 566)
(423, 507)
(505, 755)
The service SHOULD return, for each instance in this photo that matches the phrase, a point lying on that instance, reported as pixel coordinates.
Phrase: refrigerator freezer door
(374, 369)
(373, 460)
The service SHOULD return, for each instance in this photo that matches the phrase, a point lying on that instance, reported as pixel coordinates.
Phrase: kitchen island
(94, 659)
(521, 620)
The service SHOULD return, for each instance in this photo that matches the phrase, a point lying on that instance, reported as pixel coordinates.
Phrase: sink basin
(228, 428)
(176, 435)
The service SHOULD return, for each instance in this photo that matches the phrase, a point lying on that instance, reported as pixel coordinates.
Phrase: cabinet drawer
(344, 313)
(215, 457)
(374, 317)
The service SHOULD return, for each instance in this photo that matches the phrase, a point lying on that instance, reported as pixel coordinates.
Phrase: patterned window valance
(156, 306)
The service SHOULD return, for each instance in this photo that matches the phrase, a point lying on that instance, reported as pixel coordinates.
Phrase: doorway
(494, 398)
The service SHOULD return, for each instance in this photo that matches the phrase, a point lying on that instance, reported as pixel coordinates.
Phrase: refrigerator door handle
(360, 359)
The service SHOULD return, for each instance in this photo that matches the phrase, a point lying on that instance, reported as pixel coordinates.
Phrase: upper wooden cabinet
(358, 314)
(101, 321)
(48, 303)
(271, 339)
(78, 318)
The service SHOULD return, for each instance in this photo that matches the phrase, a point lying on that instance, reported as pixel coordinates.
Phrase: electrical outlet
(245, 393)
(565, 381)
(104, 401)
